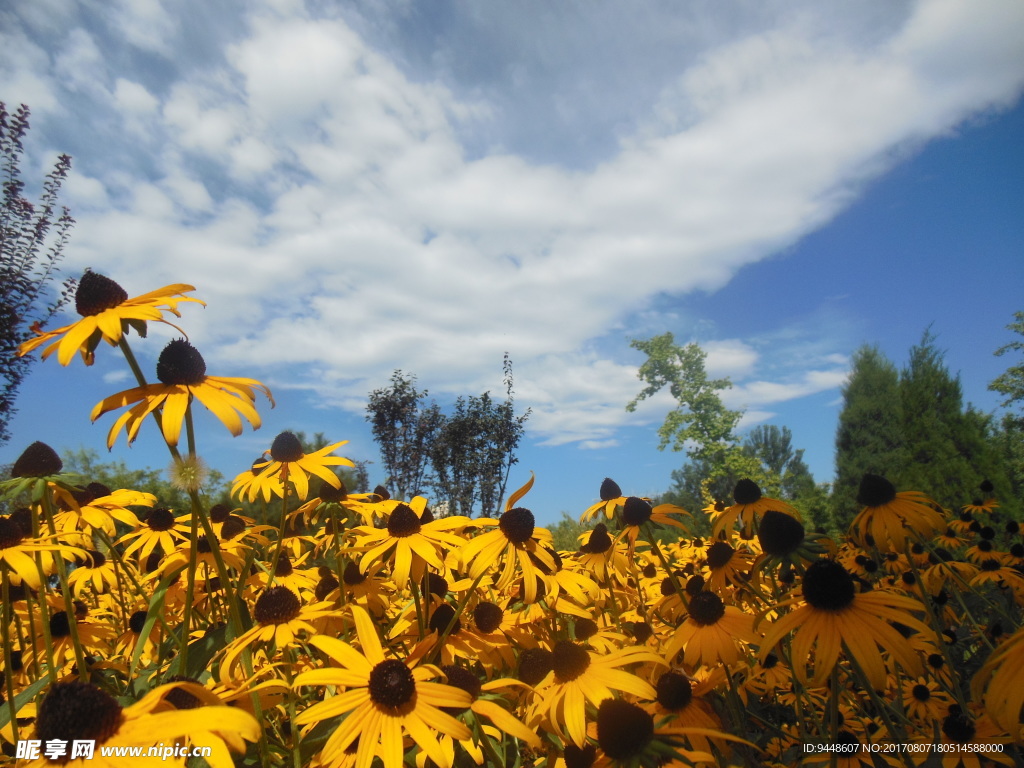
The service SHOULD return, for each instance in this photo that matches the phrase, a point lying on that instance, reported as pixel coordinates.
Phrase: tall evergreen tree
(934, 428)
(869, 436)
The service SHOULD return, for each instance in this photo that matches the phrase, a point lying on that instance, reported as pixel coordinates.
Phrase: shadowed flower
(106, 313)
(888, 516)
(833, 615)
(182, 373)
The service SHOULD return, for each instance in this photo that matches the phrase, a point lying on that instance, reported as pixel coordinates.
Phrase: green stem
(8, 648)
(69, 603)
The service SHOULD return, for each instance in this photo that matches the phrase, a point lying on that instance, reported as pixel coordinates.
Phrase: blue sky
(358, 187)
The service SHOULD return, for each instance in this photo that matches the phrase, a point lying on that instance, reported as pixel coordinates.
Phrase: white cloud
(327, 206)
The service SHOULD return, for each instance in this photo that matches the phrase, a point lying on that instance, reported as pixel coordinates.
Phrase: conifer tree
(868, 439)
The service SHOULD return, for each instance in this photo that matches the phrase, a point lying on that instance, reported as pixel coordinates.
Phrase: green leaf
(21, 700)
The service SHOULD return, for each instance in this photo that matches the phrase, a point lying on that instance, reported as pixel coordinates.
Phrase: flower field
(352, 629)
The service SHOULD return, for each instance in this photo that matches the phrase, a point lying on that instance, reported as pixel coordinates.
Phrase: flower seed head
(779, 533)
(875, 491)
(623, 729)
(517, 525)
(96, 293)
(76, 711)
(286, 448)
(487, 617)
(391, 684)
(610, 490)
(38, 460)
(636, 511)
(569, 661)
(746, 492)
(403, 521)
(180, 364)
(828, 586)
(675, 691)
(277, 605)
(706, 608)
(534, 665)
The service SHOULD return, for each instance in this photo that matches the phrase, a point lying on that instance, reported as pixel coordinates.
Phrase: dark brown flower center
(219, 513)
(435, 584)
(442, 617)
(599, 541)
(353, 575)
(719, 554)
(650, 571)
(958, 728)
(579, 757)
(325, 586)
(706, 608)
(779, 533)
(328, 493)
(534, 665)
(517, 525)
(277, 605)
(286, 448)
(487, 617)
(60, 625)
(674, 691)
(233, 526)
(10, 533)
(569, 661)
(828, 586)
(641, 632)
(160, 519)
(636, 511)
(180, 364)
(921, 692)
(391, 684)
(179, 698)
(585, 629)
(462, 678)
(97, 293)
(623, 729)
(403, 521)
(137, 621)
(746, 492)
(77, 711)
(96, 559)
(610, 490)
(875, 491)
(38, 460)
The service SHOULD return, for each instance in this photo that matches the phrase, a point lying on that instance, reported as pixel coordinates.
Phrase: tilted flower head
(106, 313)
(182, 373)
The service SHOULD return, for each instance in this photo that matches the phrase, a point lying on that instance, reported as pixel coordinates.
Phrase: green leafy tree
(700, 424)
(869, 435)
(1011, 382)
(405, 429)
(29, 255)
(475, 449)
(117, 474)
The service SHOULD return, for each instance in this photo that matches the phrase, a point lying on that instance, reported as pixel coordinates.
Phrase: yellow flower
(182, 373)
(288, 461)
(384, 700)
(77, 711)
(106, 313)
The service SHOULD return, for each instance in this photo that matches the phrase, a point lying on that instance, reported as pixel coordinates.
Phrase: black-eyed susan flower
(94, 572)
(408, 544)
(712, 632)
(834, 614)
(159, 528)
(889, 517)
(18, 551)
(77, 711)
(924, 701)
(636, 512)
(182, 374)
(579, 676)
(281, 619)
(611, 500)
(511, 546)
(972, 740)
(106, 313)
(1000, 682)
(287, 461)
(384, 699)
(749, 505)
